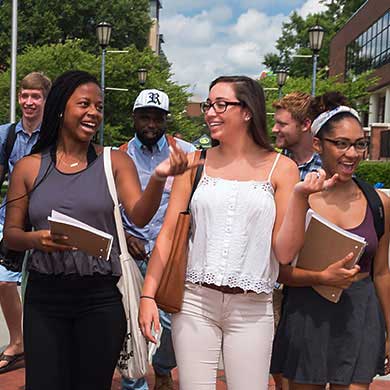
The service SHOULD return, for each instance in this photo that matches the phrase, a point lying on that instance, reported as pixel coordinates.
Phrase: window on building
(371, 49)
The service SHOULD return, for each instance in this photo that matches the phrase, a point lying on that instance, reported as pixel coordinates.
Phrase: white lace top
(230, 243)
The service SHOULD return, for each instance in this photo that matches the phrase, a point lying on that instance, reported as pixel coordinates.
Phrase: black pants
(73, 332)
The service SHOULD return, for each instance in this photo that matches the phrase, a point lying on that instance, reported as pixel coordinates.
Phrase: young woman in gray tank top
(74, 322)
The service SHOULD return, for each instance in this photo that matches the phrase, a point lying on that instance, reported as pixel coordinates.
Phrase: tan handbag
(170, 292)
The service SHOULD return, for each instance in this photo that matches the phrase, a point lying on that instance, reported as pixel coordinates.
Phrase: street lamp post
(281, 77)
(142, 74)
(13, 59)
(316, 36)
(103, 33)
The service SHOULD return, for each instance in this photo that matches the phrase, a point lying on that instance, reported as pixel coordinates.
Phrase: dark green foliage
(356, 91)
(121, 72)
(374, 172)
(295, 37)
(43, 22)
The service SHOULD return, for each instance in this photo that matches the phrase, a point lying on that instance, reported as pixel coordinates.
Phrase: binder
(84, 237)
(326, 243)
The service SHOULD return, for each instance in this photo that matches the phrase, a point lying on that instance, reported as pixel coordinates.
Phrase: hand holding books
(325, 243)
(79, 235)
(339, 274)
(47, 241)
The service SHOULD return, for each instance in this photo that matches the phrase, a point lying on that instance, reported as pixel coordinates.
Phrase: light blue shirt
(146, 161)
(22, 146)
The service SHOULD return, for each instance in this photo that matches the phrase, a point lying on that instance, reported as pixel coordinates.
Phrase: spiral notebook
(84, 237)
(326, 243)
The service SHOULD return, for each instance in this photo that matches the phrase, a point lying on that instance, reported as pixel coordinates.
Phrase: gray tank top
(83, 195)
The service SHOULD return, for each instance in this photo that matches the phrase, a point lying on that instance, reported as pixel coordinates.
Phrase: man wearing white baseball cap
(147, 149)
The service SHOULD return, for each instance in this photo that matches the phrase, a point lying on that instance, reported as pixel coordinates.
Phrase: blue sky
(208, 38)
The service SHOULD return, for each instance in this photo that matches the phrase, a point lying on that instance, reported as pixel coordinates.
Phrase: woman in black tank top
(74, 322)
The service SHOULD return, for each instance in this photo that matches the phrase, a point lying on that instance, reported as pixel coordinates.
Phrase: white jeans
(241, 325)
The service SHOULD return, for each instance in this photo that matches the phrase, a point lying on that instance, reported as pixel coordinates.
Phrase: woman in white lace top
(238, 232)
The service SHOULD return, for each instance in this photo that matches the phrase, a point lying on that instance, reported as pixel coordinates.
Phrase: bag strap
(199, 170)
(9, 145)
(124, 253)
(375, 203)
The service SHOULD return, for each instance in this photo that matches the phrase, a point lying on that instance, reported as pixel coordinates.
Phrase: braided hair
(62, 89)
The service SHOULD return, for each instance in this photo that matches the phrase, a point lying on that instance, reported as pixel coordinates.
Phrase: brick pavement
(14, 380)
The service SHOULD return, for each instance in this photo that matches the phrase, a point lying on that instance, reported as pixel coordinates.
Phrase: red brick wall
(375, 141)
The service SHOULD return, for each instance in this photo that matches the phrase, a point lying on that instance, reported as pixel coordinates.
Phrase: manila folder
(84, 237)
(325, 243)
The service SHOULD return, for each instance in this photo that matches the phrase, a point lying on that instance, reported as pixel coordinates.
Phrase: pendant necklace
(72, 165)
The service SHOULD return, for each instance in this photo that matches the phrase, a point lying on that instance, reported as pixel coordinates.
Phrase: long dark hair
(251, 94)
(61, 90)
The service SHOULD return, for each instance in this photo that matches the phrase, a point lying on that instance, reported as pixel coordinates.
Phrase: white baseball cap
(152, 98)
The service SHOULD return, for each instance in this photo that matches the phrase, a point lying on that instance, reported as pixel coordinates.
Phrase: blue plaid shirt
(314, 164)
(22, 146)
(146, 161)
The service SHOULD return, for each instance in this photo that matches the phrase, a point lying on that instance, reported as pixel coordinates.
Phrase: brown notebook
(326, 243)
(84, 237)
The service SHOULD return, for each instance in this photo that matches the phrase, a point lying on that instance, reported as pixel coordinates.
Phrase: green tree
(121, 72)
(295, 36)
(355, 91)
(43, 22)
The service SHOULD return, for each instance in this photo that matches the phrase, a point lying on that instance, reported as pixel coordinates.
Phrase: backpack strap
(375, 203)
(9, 145)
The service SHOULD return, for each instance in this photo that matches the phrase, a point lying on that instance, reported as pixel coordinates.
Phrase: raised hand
(315, 182)
(177, 163)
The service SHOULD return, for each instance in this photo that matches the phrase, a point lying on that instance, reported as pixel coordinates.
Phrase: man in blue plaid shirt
(293, 117)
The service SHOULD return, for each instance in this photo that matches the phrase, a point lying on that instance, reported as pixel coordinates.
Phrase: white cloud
(184, 30)
(245, 55)
(203, 41)
(311, 7)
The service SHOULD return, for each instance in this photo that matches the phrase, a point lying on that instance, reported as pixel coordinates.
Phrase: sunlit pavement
(14, 380)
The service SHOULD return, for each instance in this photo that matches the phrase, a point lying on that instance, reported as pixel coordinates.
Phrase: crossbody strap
(199, 170)
(117, 213)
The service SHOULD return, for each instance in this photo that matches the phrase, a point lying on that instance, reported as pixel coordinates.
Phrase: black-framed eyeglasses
(219, 106)
(360, 145)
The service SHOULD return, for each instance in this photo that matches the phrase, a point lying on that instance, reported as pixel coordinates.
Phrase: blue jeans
(164, 359)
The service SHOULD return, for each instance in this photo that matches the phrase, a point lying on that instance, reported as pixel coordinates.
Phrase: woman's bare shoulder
(284, 165)
(29, 162)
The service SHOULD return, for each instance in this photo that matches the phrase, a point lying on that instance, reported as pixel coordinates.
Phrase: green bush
(374, 172)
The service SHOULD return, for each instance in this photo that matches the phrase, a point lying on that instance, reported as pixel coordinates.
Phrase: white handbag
(133, 359)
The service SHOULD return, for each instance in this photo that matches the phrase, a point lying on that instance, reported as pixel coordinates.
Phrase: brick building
(364, 44)
(155, 38)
